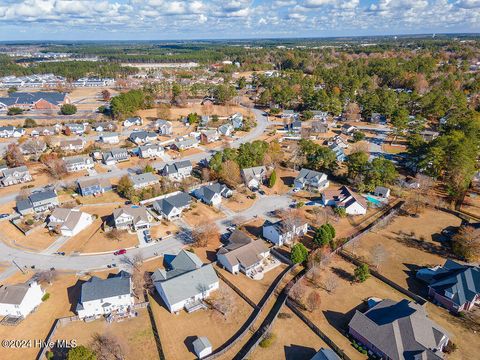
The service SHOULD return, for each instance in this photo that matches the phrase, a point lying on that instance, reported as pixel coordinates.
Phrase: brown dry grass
(177, 331)
(238, 202)
(108, 197)
(201, 214)
(37, 240)
(134, 335)
(177, 112)
(285, 178)
(163, 229)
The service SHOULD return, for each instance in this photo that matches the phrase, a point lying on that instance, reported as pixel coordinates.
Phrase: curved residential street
(23, 258)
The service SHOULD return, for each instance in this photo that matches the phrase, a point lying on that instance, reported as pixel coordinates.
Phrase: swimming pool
(373, 200)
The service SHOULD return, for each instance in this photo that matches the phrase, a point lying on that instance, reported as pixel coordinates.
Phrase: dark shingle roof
(96, 288)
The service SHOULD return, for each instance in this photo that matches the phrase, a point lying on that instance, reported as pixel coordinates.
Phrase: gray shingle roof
(96, 288)
(13, 294)
(179, 200)
(144, 178)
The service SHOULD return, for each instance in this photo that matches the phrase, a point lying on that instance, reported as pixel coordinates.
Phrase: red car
(120, 252)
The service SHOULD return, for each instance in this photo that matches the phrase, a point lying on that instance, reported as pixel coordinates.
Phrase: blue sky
(217, 19)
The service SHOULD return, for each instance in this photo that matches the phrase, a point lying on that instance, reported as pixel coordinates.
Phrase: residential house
(288, 114)
(311, 180)
(320, 115)
(338, 151)
(72, 145)
(164, 127)
(339, 140)
(78, 163)
(453, 285)
(178, 170)
(202, 347)
(243, 254)
(114, 156)
(135, 217)
(100, 297)
(326, 354)
(11, 131)
(104, 126)
(151, 151)
(319, 127)
(209, 136)
(19, 300)
(93, 186)
(398, 330)
(109, 138)
(133, 121)
(141, 181)
(40, 100)
(38, 202)
(294, 126)
(45, 131)
(69, 222)
(283, 232)
(429, 135)
(377, 118)
(212, 194)
(142, 137)
(382, 192)
(225, 129)
(171, 206)
(236, 120)
(33, 147)
(78, 129)
(16, 175)
(254, 177)
(184, 144)
(185, 282)
(347, 199)
(204, 120)
(348, 129)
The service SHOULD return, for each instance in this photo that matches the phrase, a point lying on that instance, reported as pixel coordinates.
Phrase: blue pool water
(373, 200)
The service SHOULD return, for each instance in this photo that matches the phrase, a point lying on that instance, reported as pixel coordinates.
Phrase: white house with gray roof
(69, 222)
(11, 131)
(38, 202)
(311, 180)
(109, 138)
(114, 156)
(78, 163)
(133, 121)
(225, 129)
(16, 175)
(236, 120)
(178, 170)
(163, 127)
(398, 330)
(255, 176)
(142, 137)
(105, 296)
(135, 217)
(283, 232)
(184, 144)
(171, 206)
(140, 181)
(150, 151)
(185, 282)
(213, 193)
(19, 300)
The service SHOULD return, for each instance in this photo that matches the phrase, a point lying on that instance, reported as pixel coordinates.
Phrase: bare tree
(292, 220)
(46, 276)
(223, 302)
(330, 283)
(34, 147)
(230, 173)
(106, 347)
(379, 255)
(114, 234)
(298, 292)
(205, 234)
(313, 301)
(14, 156)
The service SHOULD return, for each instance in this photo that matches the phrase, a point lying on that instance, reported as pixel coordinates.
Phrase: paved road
(172, 244)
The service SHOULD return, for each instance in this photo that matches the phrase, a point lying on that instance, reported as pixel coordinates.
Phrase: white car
(296, 190)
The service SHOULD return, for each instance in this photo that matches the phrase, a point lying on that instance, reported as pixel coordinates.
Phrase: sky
(223, 19)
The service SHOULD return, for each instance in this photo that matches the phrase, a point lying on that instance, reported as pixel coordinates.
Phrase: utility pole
(23, 272)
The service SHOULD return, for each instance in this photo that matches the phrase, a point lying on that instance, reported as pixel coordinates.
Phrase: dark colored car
(120, 252)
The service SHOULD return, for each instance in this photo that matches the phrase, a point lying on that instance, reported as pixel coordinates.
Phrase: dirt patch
(201, 214)
(238, 201)
(37, 240)
(284, 183)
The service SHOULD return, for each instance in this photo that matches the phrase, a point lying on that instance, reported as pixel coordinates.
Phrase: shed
(202, 347)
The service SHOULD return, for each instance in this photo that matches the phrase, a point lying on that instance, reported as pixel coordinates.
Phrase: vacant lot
(201, 214)
(134, 335)
(238, 201)
(406, 245)
(293, 340)
(39, 239)
(177, 332)
(108, 197)
(285, 178)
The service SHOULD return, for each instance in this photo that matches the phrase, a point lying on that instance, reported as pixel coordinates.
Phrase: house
(225, 129)
(142, 137)
(348, 129)
(338, 151)
(453, 285)
(185, 283)
(339, 141)
(69, 145)
(382, 192)
(78, 129)
(105, 296)
(212, 194)
(114, 156)
(281, 232)
(16, 175)
(46, 131)
(254, 177)
(93, 186)
(184, 144)
(109, 138)
(178, 170)
(164, 127)
(104, 126)
(429, 135)
(242, 254)
(19, 300)
(320, 115)
(347, 199)
(288, 114)
(202, 347)
(135, 217)
(69, 222)
(78, 163)
(150, 151)
(141, 181)
(312, 180)
(204, 120)
(209, 136)
(319, 127)
(38, 202)
(295, 126)
(171, 206)
(133, 121)
(325, 354)
(377, 118)
(236, 120)
(40, 100)
(398, 330)
(11, 131)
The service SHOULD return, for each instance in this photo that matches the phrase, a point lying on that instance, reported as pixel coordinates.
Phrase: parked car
(120, 252)
(3, 216)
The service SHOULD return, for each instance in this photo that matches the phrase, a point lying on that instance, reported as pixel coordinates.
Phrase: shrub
(340, 211)
(68, 109)
(29, 222)
(29, 123)
(45, 297)
(14, 111)
(362, 273)
(299, 253)
(299, 204)
(268, 340)
(450, 347)
(284, 316)
(272, 180)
